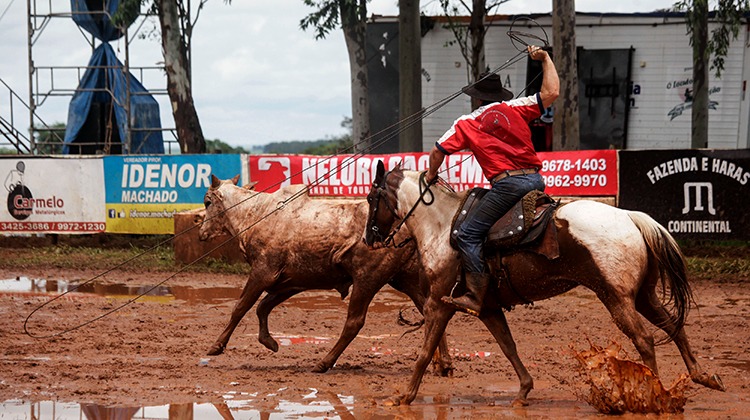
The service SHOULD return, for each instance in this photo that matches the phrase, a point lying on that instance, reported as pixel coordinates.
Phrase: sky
(257, 77)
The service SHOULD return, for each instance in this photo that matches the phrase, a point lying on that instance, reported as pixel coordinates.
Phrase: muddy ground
(152, 353)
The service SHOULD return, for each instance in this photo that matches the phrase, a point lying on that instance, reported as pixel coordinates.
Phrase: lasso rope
(387, 135)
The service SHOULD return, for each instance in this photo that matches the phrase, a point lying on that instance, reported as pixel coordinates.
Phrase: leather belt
(513, 172)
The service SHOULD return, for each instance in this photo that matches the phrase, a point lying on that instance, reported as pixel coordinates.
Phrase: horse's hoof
(320, 368)
(392, 402)
(520, 402)
(216, 349)
(269, 343)
(447, 372)
(714, 382)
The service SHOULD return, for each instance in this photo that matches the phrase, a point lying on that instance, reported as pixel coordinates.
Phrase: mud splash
(618, 386)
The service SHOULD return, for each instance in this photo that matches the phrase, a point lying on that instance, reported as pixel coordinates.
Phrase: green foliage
(218, 146)
(8, 151)
(728, 15)
(315, 147)
(49, 140)
(127, 12)
(330, 14)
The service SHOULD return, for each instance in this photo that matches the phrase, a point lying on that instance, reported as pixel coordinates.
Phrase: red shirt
(498, 134)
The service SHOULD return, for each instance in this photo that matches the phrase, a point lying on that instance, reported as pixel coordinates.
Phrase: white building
(635, 79)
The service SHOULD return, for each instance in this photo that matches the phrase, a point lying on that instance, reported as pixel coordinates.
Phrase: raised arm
(550, 81)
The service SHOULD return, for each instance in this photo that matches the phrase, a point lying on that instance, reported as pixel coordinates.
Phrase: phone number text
(53, 226)
(565, 165)
(565, 181)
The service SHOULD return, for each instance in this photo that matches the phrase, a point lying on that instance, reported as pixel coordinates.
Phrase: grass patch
(127, 252)
(706, 260)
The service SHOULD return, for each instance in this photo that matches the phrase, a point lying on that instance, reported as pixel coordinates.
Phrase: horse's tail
(671, 264)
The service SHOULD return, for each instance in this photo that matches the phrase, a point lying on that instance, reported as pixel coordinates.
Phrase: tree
(49, 140)
(219, 147)
(470, 39)
(176, 21)
(565, 126)
(410, 75)
(728, 16)
(351, 15)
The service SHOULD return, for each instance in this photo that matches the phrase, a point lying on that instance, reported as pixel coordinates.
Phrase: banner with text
(575, 173)
(144, 192)
(52, 195)
(695, 194)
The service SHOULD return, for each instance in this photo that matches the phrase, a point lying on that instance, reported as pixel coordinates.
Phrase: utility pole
(409, 76)
(565, 124)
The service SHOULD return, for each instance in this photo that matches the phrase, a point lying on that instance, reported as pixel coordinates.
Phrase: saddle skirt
(525, 226)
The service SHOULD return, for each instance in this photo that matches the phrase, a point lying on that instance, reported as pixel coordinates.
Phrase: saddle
(524, 227)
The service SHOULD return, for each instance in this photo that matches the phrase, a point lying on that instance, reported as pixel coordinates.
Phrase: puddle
(164, 294)
(387, 300)
(315, 404)
(228, 409)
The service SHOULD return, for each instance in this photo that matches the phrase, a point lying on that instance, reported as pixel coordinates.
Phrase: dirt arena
(152, 353)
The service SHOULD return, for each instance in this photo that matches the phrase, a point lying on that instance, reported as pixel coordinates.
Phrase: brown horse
(308, 244)
(620, 255)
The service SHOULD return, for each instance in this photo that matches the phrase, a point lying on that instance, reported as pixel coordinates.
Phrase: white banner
(52, 195)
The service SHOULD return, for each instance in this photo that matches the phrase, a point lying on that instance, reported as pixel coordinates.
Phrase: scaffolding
(51, 79)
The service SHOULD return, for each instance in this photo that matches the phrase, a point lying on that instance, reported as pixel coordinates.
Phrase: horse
(620, 255)
(308, 244)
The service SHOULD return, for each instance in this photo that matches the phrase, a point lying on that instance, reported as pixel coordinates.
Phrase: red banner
(591, 173)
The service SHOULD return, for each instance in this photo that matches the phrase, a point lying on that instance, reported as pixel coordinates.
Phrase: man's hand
(537, 53)
(430, 178)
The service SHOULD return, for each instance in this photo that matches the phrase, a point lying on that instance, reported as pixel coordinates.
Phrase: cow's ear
(250, 186)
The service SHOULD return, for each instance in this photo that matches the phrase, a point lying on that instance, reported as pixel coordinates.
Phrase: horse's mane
(442, 185)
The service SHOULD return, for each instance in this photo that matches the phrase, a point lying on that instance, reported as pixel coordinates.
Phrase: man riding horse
(498, 135)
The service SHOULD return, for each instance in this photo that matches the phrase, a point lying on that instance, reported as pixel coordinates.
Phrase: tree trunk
(189, 133)
(410, 76)
(355, 27)
(699, 132)
(565, 125)
(476, 33)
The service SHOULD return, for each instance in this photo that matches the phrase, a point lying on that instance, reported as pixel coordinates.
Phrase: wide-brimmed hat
(489, 88)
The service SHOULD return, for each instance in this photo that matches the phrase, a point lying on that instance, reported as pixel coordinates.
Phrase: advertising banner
(144, 192)
(583, 173)
(695, 194)
(52, 195)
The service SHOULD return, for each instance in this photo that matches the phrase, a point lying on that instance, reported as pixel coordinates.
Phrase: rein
(390, 239)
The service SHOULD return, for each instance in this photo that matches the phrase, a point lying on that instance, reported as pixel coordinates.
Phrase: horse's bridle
(382, 195)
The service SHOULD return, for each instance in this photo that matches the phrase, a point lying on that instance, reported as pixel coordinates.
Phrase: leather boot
(471, 302)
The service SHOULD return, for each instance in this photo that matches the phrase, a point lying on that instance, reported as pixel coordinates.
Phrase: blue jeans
(501, 198)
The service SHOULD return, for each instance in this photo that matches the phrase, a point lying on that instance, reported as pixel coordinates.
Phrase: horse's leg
(250, 295)
(361, 297)
(264, 308)
(436, 315)
(497, 324)
(627, 319)
(650, 306)
(442, 362)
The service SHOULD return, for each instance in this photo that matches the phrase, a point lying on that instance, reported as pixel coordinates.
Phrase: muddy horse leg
(497, 324)
(355, 319)
(250, 295)
(442, 362)
(436, 318)
(649, 305)
(264, 308)
(627, 319)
